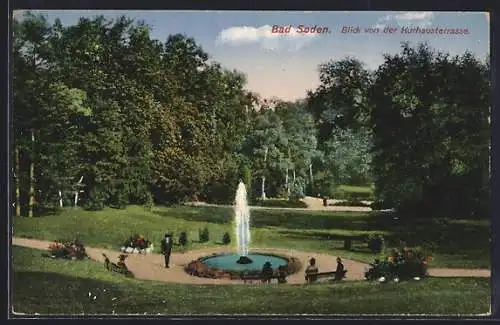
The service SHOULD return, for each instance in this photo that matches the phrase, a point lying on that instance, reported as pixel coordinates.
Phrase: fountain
(235, 265)
(242, 220)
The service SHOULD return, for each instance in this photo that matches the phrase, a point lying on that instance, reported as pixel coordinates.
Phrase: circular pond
(228, 262)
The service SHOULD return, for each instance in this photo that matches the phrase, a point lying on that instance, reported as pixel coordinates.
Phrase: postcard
(250, 163)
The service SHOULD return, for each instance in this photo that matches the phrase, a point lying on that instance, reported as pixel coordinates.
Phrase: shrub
(380, 205)
(70, 249)
(226, 238)
(375, 243)
(351, 203)
(203, 235)
(137, 241)
(405, 264)
(277, 203)
(297, 189)
(183, 239)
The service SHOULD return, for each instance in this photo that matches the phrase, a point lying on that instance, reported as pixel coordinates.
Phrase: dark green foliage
(436, 161)
(403, 265)
(277, 203)
(164, 124)
(203, 235)
(375, 243)
(183, 239)
(226, 238)
(351, 203)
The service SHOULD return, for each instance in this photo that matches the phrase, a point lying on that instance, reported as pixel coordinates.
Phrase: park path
(150, 266)
(313, 204)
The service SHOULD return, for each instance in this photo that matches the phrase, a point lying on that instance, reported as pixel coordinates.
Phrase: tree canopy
(105, 115)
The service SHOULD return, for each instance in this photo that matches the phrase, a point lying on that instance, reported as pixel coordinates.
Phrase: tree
(428, 110)
(266, 146)
(340, 101)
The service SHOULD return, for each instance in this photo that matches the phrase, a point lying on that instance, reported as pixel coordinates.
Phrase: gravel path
(313, 204)
(150, 267)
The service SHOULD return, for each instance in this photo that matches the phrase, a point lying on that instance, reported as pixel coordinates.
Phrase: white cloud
(413, 18)
(263, 35)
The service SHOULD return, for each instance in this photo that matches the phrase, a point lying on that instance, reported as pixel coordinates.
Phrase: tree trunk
(294, 176)
(311, 178)
(287, 186)
(17, 173)
(77, 191)
(287, 180)
(32, 177)
(263, 185)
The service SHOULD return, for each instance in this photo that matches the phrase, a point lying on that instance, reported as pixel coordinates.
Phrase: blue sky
(286, 66)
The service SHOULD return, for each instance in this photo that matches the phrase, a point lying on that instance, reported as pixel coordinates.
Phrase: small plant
(69, 249)
(226, 238)
(183, 239)
(375, 243)
(203, 235)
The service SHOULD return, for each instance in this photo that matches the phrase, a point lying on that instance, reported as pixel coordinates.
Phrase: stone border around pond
(200, 269)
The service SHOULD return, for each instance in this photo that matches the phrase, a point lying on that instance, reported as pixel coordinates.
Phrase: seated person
(282, 274)
(311, 270)
(267, 272)
(121, 261)
(339, 272)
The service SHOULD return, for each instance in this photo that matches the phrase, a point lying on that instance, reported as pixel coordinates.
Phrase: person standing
(166, 248)
(339, 272)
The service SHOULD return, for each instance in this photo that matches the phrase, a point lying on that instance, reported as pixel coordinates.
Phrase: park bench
(313, 276)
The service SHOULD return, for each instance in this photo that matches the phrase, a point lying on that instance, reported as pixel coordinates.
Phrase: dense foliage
(104, 115)
(69, 249)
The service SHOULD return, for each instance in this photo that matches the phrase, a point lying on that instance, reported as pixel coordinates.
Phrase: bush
(69, 249)
(277, 203)
(380, 205)
(351, 203)
(403, 265)
(297, 189)
(375, 243)
(203, 235)
(353, 196)
(226, 238)
(183, 239)
(137, 241)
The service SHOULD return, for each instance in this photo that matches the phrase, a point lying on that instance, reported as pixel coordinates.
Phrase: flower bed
(68, 249)
(400, 265)
(200, 269)
(137, 244)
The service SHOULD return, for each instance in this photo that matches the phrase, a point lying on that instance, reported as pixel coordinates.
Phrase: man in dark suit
(166, 248)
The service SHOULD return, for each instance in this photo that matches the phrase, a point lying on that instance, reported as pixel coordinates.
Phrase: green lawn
(456, 243)
(355, 189)
(47, 286)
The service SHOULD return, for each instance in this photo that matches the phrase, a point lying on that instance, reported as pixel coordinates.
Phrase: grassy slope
(46, 286)
(459, 244)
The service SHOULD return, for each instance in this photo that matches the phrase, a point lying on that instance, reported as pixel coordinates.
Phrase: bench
(313, 277)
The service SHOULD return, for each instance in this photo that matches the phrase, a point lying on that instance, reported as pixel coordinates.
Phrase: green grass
(456, 243)
(47, 286)
(356, 189)
(352, 192)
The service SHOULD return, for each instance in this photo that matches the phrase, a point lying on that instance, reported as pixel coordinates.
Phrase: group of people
(312, 270)
(267, 273)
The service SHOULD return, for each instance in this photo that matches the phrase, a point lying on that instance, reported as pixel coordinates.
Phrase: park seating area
(312, 277)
